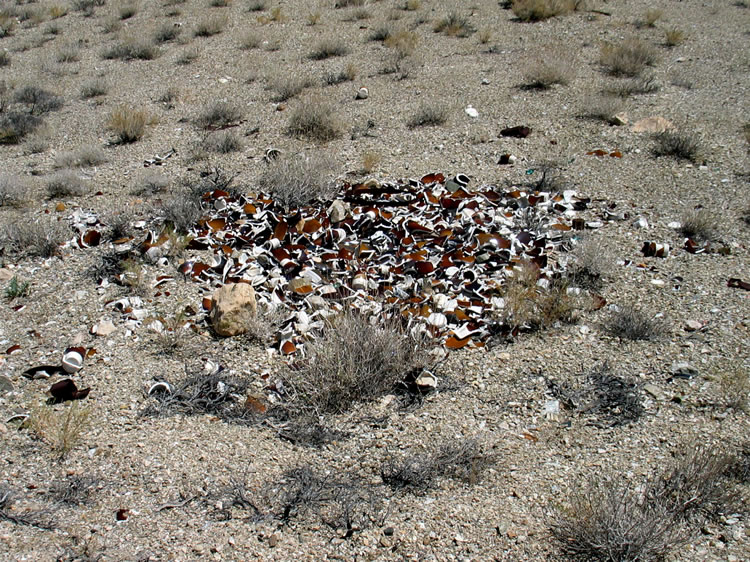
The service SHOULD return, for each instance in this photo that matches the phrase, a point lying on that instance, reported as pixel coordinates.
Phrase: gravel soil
(165, 487)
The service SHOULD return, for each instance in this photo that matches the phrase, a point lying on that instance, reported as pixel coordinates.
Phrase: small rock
(684, 370)
(60, 207)
(362, 94)
(693, 326)
(640, 223)
(388, 531)
(385, 542)
(485, 82)
(654, 391)
(338, 211)
(620, 119)
(232, 308)
(507, 160)
(273, 540)
(5, 274)
(654, 124)
(6, 385)
(103, 328)
(471, 112)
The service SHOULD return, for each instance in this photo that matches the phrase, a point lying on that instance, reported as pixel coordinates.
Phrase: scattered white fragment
(471, 112)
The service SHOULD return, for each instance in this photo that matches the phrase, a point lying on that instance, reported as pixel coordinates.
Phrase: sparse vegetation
(223, 142)
(210, 26)
(348, 3)
(629, 58)
(127, 10)
(632, 323)
(428, 115)
(94, 88)
(645, 84)
(454, 25)
(677, 144)
(603, 108)
(700, 224)
(4, 59)
(344, 75)
(181, 212)
(74, 489)
(87, 6)
(66, 183)
(650, 17)
(38, 238)
(83, 157)
(14, 126)
(588, 265)
(166, 32)
(294, 181)
(539, 10)
(316, 120)
(250, 40)
(62, 427)
(17, 288)
(546, 70)
(257, 6)
(38, 100)
(218, 115)
(10, 512)
(329, 48)
(356, 359)
(12, 190)
(673, 37)
(128, 124)
(132, 49)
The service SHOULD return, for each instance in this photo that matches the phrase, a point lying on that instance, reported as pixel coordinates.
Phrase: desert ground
(500, 255)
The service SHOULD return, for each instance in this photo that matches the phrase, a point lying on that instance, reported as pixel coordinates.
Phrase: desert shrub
(62, 427)
(181, 212)
(546, 70)
(632, 323)
(257, 6)
(454, 25)
(38, 100)
(128, 124)
(4, 58)
(428, 115)
(276, 15)
(411, 5)
(83, 157)
(223, 142)
(12, 190)
(344, 75)
(587, 265)
(673, 37)
(650, 17)
(150, 183)
(629, 58)
(68, 52)
(188, 55)
(538, 10)
(348, 3)
(132, 49)
(7, 24)
(127, 10)
(733, 380)
(462, 459)
(37, 238)
(381, 33)
(87, 6)
(287, 86)
(210, 26)
(218, 114)
(316, 120)
(73, 489)
(10, 512)
(36, 144)
(66, 184)
(677, 144)
(57, 11)
(250, 40)
(645, 84)
(15, 125)
(329, 48)
(166, 32)
(354, 360)
(603, 108)
(294, 181)
(94, 88)
(700, 225)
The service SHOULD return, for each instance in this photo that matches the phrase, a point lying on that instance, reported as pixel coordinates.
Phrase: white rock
(471, 112)
(103, 328)
(641, 222)
(363, 93)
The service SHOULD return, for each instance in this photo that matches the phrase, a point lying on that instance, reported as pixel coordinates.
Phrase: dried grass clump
(217, 115)
(354, 360)
(94, 88)
(87, 6)
(588, 266)
(650, 17)
(629, 58)
(645, 84)
(257, 6)
(4, 59)
(182, 211)
(454, 25)
(16, 125)
(83, 157)
(66, 183)
(73, 490)
(294, 181)
(611, 519)
(13, 191)
(539, 10)
(700, 225)
(210, 26)
(348, 3)
(39, 238)
(547, 70)
(39, 518)
(166, 32)
(428, 115)
(329, 48)
(463, 459)
(131, 49)
(316, 120)
(223, 142)
(61, 427)
(632, 323)
(673, 37)
(67, 52)
(734, 384)
(603, 108)
(287, 86)
(128, 124)
(344, 75)
(677, 144)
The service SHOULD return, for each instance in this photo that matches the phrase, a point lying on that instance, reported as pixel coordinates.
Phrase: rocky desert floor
(137, 139)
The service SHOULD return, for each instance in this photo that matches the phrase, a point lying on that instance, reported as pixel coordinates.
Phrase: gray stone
(6, 385)
(654, 391)
(338, 211)
(233, 306)
(684, 370)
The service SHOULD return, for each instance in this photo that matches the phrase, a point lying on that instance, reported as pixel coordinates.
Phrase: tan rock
(654, 124)
(338, 211)
(620, 119)
(5, 274)
(103, 328)
(232, 307)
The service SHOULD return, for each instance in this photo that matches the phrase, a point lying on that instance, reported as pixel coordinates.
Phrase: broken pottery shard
(362, 94)
(426, 380)
(471, 112)
(519, 132)
(654, 249)
(735, 283)
(6, 385)
(654, 124)
(43, 372)
(73, 359)
(232, 308)
(66, 389)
